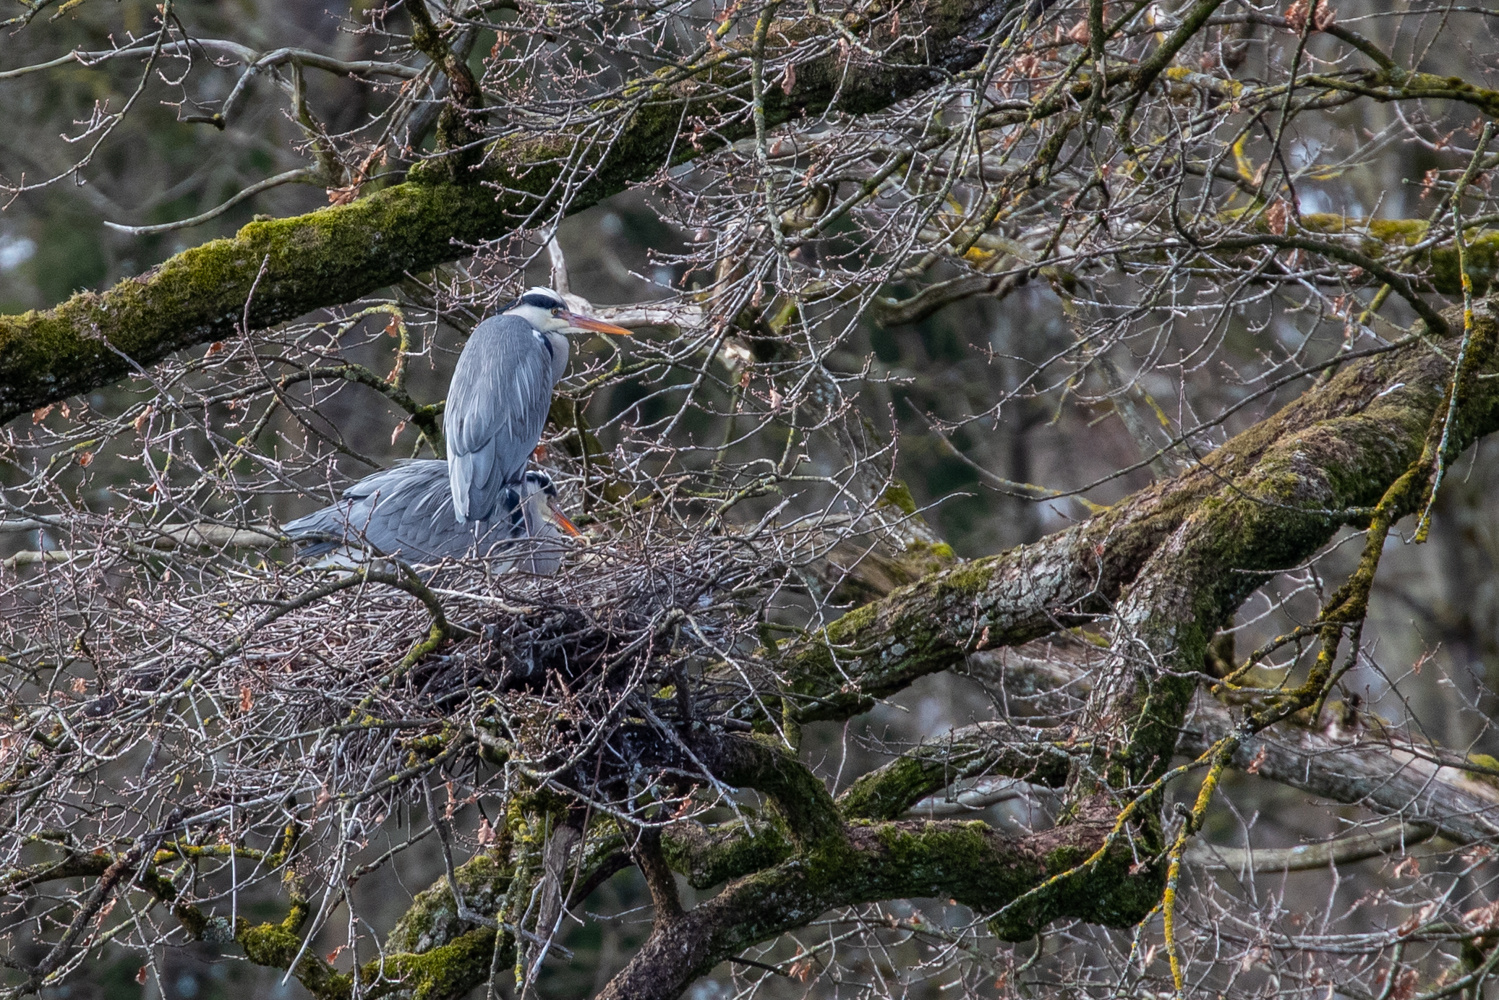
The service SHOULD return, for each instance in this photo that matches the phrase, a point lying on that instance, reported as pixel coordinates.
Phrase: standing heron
(406, 511)
(499, 397)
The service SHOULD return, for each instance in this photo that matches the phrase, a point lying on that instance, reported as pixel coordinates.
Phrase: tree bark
(276, 270)
(1265, 500)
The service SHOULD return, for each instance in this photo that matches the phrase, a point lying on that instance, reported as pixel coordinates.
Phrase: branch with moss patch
(990, 748)
(339, 253)
(970, 862)
(1290, 481)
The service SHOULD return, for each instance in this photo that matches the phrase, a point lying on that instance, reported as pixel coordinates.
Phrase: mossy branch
(711, 856)
(803, 801)
(708, 857)
(1393, 84)
(336, 254)
(1391, 239)
(1268, 498)
(971, 862)
(326, 257)
(983, 749)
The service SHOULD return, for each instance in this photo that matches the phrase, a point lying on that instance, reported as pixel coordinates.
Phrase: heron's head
(545, 310)
(540, 494)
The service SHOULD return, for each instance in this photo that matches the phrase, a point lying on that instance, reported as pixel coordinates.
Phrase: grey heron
(406, 511)
(500, 394)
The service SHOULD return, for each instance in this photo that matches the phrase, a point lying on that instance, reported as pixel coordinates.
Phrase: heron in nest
(407, 512)
(499, 398)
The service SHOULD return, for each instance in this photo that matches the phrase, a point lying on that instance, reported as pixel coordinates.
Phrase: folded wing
(496, 410)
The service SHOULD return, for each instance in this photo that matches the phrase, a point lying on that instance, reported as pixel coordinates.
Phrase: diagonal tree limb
(339, 253)
(1347, 756)
(1277, 492)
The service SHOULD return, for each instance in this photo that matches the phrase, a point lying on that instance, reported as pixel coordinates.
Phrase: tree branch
(1347, 756)
(979, 866)
(1279, 491)
(1359, 845)
(1037, 756)
(339, 253)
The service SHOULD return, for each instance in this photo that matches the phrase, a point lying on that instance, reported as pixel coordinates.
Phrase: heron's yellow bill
(562, 522)
(595, 325)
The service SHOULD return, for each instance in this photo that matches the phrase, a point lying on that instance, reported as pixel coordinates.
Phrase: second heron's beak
(595, 325)
(561, 520)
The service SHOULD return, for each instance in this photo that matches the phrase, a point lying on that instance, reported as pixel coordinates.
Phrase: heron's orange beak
(596, 325)
(567, 526)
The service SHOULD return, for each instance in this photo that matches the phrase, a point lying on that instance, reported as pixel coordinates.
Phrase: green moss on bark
(449, 971)
(708, 858)
(889, 791)
(337, 254)
(432, 918)
(279, 945)
(1296, 478)
(1386, 239)
(328, 256)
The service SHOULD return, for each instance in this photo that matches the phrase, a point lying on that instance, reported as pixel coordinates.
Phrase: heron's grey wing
(406, 511)
(320, 531)
(413, 517)
(348, 520)
(496, 410)
(428, 526)
(393, 511)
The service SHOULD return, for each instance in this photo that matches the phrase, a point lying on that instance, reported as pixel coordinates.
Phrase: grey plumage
(406, 511)
(500, 394)
(481, 500)
(496, 410)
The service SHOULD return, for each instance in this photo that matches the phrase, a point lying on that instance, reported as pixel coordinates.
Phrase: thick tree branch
(1278, 491)
(1346, 756)
(812, 818)
(1036, 756)
(337, 254)
(975, 864)
(1359, 845)
(1352, 758)
(711, 856)
(652, 863)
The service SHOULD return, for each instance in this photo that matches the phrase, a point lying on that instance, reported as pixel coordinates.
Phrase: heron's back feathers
(496, 410)
(406, 511)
